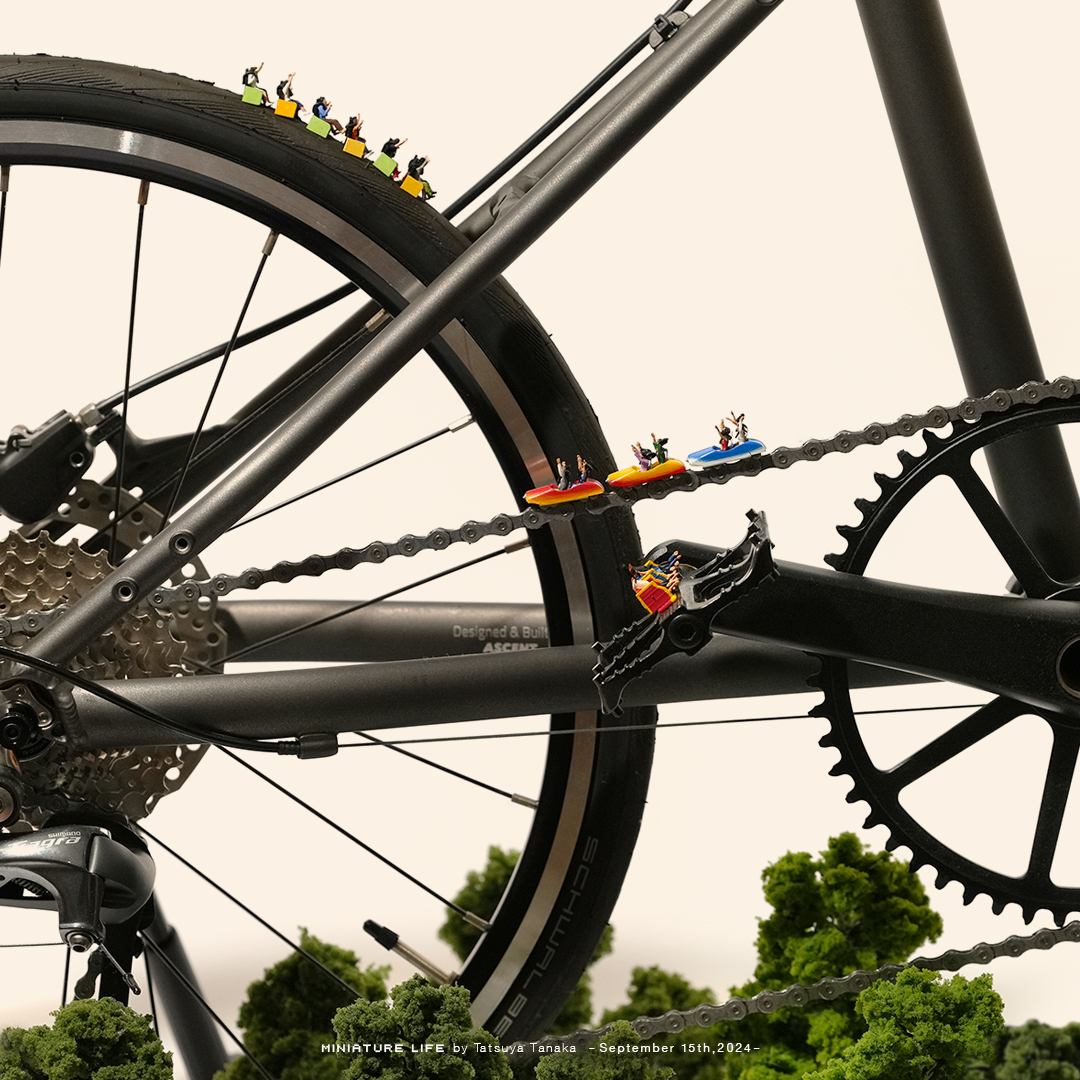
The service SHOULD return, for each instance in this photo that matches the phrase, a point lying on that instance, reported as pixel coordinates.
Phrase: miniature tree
(654, 992)
(480, 895)
(289, 1012)
(593, 1063)
(425, 1032)
(849, 909)
(89, 1040)
(920, 1027)
(1035, 1051)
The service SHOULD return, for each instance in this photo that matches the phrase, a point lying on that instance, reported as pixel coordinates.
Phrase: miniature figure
(583, 470)
(564, 475)
(643, 456)
(390, 148)
(731, 445)
(251, 78)
(285, 92)
(740, 428)
(321, 109)
(660, 446)
(352, 129)
(416, 171)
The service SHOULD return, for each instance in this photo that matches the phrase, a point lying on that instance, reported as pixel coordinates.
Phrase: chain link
(827, 989)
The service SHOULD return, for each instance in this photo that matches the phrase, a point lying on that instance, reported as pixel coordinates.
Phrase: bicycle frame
(985, 313)
(730, 666)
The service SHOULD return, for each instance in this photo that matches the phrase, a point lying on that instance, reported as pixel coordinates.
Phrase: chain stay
(826, 989)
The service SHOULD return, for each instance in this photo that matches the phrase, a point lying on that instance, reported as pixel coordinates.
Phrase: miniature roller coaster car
(656, 584)
(635, 475)
(550, 494)
(714, 455)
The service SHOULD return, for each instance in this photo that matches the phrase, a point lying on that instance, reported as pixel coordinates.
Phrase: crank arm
(1024, 649)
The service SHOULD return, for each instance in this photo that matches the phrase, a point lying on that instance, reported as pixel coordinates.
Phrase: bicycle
(592, 454)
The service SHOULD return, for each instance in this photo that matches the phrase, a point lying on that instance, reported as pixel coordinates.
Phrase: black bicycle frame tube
(484, 216)
(194, 1029)
(803, 608)
(567, 110)
(695, 51)
(970, 259)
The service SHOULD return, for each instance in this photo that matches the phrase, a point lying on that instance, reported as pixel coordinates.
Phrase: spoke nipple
(475, 920)
(517, 545)
(524, 800)
(458, 425)
(144, 194)
(271, 240)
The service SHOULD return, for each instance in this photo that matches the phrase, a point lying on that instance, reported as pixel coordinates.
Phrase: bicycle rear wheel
(188, 135)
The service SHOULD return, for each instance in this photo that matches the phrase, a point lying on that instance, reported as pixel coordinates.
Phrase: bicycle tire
(205, 140)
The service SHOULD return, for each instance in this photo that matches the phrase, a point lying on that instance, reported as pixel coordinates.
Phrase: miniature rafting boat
(635, 475)
(550, 494)
(714, 455)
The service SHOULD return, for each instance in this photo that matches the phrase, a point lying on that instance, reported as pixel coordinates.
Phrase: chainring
(38, 574)
(946, 455)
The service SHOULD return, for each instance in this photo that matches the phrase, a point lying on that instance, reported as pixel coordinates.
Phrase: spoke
(159, 953)
(441, 768)
(972, 729)
(609, 728)
(1033, 579)
(248, 911)
(150, 994)
(348, 835)
(234, 431)
(193, 362)
(144, 190)
(1059, 777)
(67, 974)
(454, 427)
(268, 247)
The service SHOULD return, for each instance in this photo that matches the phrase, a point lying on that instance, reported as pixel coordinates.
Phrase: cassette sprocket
(950, 456)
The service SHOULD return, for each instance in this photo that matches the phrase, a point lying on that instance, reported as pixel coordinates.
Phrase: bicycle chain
(796, 996)
(827, 989)
(969, 410)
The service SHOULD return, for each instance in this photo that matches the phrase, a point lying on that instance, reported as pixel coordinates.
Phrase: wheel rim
(521, 453)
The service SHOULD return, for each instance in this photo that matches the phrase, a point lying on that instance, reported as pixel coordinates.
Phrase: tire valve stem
(389, 940)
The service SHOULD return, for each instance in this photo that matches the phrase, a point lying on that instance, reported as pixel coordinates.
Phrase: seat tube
(970, 260)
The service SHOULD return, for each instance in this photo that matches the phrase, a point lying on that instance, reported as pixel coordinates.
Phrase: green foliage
(595, 1063)
(89, 1040)
(1036, 1051)
(481, 895)
(654, 992)
(849, 909)
(288, 1013)
(420, 1018)
(920, 1027)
